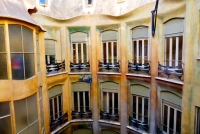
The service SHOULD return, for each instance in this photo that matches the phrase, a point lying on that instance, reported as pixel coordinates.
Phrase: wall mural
(107, 27)
(86, 78)
(78, 29)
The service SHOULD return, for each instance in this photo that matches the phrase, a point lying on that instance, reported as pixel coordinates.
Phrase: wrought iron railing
(80, 67)
(139, 68)
(159, 131)
(109, 67)
(55, 67)
(61, 120)
(138, 124)
(108, 116)
(81, 115)
(170, 72)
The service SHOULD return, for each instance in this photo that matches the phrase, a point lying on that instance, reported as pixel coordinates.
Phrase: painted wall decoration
(107, 27)
(78, 29)
(86, 78)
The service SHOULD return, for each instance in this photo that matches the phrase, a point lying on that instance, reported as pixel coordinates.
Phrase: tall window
(140, 45)
(26, 115)
(22, 51)
(50, 51)
(171, 118)
(79, 47)
(5, 118)
(140, 108)
(81, 96)
(3, 60)
(38, 51)
(55, 102)
(109, 46)
(109, 97)
(41, 109)
(43, 2)
(173, 42)
(197, 126)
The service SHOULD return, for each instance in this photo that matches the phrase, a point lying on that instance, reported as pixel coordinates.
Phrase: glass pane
(32, 109)
(34, 128)
(104, 53)
(2, 39)
(42, 2)
(60, 105)
(109, 52)
(29, 65)
(4, 108)
(5, 125)
(110, 102)
(75, 101)
(145, 110)
(171, 121)
(3, 67)
(38, 51)
(84, 52)
(115, 51)
(15, 38)
(173, 51)
(74, 53)
(165, 118)
(27, 39)
(178, 122)
(55, 108)
(104, 101)
(134, 106)
(134, 51)
(81, 101)
(116, 103)
(167, 51)
(41, 113)
(17, 66)
(140, 52)
(25, 131)
(87, 101)
(145, 51)
(51, 108)
(79, 53)
(140, 108)
(180, 50)
(20, 114)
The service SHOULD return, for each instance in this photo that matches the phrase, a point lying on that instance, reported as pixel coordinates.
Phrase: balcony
(61, 120)
(55, 67)
(136, 68)
(109, 67)
(138, 125)
(81, 115)
(109, 116)
(80, 67)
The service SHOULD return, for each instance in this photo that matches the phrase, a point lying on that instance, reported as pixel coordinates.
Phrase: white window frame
(82, 52)
(137, 49)
(137, 109)
(78, 97)
(170, 49)
(176, 108)
(53, 109)
(112, 51)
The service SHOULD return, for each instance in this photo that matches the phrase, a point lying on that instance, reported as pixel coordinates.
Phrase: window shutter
(109, 87)
(50, 47)
(109, 35)
(174, 26)
(78, 37)
(140, 32)
(170, 97)
(56, 90)
(80, 86)
(140, 90)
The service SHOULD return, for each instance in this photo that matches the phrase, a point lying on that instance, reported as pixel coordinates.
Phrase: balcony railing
(170, 72)
(138, 124)
(61, 120)
(139, 68)
(81, 115)
(108, 116)
(80, 67)
(55, 67)
(109, 67)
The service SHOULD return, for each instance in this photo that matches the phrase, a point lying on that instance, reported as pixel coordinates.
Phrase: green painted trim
(107, 27)
(78, 29)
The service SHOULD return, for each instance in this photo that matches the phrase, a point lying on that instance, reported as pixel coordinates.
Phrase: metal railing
(109, 116)
(57, 122)
(80, 67)
(138, 124)
(81, 115)
(58, 66)
(109, 67)
(139, 68)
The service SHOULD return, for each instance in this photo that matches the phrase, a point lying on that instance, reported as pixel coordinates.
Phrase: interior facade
(95, 67)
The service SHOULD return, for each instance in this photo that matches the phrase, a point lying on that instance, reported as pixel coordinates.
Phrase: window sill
(73, 73)
(169, 80)
(67, 123)
(110, 122)
(43, 5)
(109, 73)
(54, 74)
(198, 58)
(89, 5)
(120, 1)
(138, 75)
(134, 129)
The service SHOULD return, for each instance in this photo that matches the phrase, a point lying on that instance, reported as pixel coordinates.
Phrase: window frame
(197, 120)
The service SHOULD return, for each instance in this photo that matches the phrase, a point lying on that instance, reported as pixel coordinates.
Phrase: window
(140, 45)
(22, 52)
(50, 51)
(38, 51)
(109, 47)
(5, 118)
(81, 96)
(3, 60)
(171, 118)
(173, 42)
(89, 2)
(109, 97)
(41, 109)
(140, 108)
(26, 115)
(55, 102)
(79, 47)
(43, 2)
(197, 125)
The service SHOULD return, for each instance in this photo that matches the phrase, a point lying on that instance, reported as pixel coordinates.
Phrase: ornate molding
(107, 27)
(78, 29)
